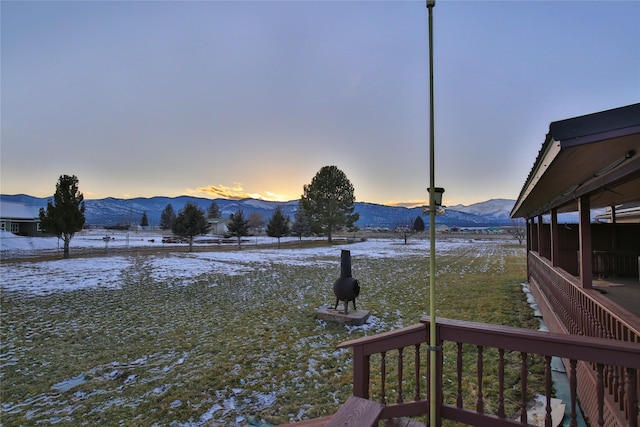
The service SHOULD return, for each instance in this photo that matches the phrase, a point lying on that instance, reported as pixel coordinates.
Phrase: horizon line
(407, 205)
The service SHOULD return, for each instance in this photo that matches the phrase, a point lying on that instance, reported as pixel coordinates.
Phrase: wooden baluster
(501, 413)
(523, 387)
(620, 389)
(617, 386)
(607, 377)
(600, 393)
(400, 368)
(631, 380)
(459, 401)
(416, 395)
(480, 401)
(383, 376)
(573, 385)
(548, 385)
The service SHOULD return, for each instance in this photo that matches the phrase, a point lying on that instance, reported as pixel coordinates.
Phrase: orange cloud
(408, 204)
(236, 192)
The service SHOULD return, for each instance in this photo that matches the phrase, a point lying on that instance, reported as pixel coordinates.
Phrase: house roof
(624, 211)
(596, 155)
(18, 211)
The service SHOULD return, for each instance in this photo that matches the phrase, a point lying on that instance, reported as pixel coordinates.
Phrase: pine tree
(300, 227)
(189, 223)
(64, 215)
(418, 224)
(144, 222)
(214, 211)
(167, 218)
(278, 225)
(329, 201)
(238, 226)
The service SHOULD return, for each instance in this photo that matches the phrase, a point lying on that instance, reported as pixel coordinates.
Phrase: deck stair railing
(401, 382)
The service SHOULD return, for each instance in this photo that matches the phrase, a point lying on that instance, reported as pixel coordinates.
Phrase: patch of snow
(70, 383)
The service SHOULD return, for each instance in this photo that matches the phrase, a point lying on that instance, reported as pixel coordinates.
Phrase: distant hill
(113, 212)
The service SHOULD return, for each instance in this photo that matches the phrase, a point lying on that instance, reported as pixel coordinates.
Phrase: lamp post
(432, 232)
(437, 196)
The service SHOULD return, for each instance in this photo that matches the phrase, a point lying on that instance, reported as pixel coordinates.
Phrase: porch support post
(540, 235)
(555, 239)
(586, 249)
(528, 231)
(614, 234)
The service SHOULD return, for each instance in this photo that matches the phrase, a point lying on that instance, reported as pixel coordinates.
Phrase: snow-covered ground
(43, 277)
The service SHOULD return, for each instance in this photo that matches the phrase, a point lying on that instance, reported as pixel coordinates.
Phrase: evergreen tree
(418, 224)
(238, 226)
(189, 223)
(167, 218)
(65, 214)
(214, 211)
(278, 225)
(300, 227)
(329, 201)
(144, 222)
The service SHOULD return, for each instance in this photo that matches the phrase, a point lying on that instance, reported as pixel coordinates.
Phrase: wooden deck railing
(584, 312)
(402, 379)
(580, 311)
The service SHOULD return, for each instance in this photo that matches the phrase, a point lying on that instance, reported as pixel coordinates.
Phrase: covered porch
(585, 275)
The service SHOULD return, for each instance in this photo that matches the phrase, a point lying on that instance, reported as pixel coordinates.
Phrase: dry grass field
(223, 337)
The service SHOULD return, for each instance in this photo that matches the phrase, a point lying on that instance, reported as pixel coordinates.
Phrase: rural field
(223, 336)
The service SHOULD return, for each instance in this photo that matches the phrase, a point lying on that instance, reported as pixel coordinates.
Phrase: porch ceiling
(597, 155)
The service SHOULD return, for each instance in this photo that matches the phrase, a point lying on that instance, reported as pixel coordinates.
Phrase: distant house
(217, 226)
(625, 213)
(20, 219)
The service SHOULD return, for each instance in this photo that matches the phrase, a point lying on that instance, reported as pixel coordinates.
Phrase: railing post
(361, 372)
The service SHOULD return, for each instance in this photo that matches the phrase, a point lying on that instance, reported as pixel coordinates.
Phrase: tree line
(326, 206)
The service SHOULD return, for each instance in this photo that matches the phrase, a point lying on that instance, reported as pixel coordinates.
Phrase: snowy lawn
(221, 337)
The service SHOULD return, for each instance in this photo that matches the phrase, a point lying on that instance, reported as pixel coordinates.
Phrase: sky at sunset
(251, 99)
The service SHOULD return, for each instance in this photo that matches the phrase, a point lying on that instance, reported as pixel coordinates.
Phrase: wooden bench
(355, 412)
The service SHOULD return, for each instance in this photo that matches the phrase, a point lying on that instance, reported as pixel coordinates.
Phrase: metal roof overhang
(597, 155)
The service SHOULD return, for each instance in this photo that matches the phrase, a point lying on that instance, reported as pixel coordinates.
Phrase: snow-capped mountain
(112, 211)
(494, 208)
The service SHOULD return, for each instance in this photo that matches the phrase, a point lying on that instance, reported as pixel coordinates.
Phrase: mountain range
(113, 212)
